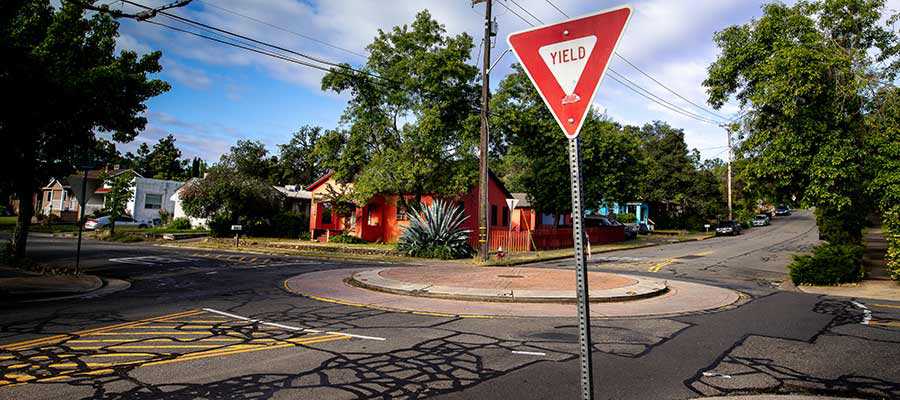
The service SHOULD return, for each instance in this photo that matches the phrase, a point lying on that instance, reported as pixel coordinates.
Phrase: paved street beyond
(211, 325)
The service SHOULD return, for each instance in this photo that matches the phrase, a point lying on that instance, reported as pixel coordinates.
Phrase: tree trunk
(23, 222)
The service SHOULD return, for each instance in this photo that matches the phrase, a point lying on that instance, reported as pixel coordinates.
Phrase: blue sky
(220, 94)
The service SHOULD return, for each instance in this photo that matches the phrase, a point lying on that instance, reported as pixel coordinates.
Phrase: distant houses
(383, 218)
(61, 198)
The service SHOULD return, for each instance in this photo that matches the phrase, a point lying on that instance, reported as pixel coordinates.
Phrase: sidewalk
(877, 283)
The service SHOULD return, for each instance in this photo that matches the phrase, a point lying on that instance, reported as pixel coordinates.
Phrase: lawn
(8, 223)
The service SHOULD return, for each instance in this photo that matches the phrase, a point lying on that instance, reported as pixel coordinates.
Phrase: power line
(283, 29)
(308, 57)
(515, 13)
(627, 61)
(704, 109)
(557, 8)
(660, 99)
(526, 11)
(639, 89)
(675, 109)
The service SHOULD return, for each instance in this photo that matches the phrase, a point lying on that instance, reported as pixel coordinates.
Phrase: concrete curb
(373, 280)
(777, 397)
(109, 286)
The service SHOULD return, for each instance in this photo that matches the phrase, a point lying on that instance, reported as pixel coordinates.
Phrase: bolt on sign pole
(566, 62)
(483, 209)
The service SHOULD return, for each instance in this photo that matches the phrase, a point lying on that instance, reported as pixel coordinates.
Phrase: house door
(373, 230)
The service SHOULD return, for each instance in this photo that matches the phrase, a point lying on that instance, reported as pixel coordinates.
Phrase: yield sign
(567, 60)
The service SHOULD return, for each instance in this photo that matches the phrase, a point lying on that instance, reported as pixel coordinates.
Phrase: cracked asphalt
(203, 325)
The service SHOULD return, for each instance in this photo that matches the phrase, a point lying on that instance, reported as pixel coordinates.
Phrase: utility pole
(730, 158)
(483, 209)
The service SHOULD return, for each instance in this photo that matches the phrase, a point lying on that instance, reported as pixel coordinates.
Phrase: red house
(382, 219)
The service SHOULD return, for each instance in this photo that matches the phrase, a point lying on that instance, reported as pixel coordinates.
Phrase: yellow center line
(58, 338)
(883, 322)
(157, 340)
(661, 265)
(153, 333)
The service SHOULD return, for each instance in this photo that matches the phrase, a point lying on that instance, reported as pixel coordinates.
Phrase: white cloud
(191, 77)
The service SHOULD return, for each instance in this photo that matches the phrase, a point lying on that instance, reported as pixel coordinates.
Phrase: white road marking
(289, 327)
(867, 313)
(150, 260)
(214, 272)
(529, 353)
(716, 375)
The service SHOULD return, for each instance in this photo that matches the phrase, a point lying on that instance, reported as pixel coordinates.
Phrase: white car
(103, 222)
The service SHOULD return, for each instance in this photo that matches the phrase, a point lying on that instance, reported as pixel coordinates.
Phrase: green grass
(8, 223)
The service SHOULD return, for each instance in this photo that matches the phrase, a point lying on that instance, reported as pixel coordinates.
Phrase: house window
(505, 216)
(493, 214)
(373, 215)
(326, 213)
(49, 196)
(152, 201)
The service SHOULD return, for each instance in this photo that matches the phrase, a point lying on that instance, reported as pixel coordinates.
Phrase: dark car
(782, 211)
(730, 228)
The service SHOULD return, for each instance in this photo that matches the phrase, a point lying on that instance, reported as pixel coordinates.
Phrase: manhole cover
(510, 276)
(559, 336)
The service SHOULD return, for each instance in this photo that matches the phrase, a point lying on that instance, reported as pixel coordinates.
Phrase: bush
(220, 226)
(346, 238)
(180, 223)
(626, 218)
(303, 235)
(436, 231)
(829, 264)
(891, 222)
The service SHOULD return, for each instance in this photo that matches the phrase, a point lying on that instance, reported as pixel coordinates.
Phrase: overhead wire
(627, 61)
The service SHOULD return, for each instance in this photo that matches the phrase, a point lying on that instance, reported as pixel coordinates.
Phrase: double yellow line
(60, 338)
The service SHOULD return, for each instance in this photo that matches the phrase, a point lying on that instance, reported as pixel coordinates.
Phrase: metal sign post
(566, 61)
(581, 276)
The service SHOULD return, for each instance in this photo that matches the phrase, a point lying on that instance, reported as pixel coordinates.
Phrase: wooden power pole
(483, 208)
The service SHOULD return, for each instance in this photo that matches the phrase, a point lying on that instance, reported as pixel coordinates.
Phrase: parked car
(782, 211)
(761, 220)
(104, 221)
(731, 228)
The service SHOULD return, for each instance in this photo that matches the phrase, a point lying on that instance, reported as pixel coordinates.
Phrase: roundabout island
(469, 291)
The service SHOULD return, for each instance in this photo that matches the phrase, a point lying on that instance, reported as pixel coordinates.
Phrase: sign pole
(581, 277)
(81, 219)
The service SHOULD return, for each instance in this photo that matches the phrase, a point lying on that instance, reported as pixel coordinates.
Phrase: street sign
(236, 227)
(567, 60)
(511, 203)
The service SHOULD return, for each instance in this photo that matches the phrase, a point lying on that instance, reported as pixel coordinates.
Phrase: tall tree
(533, 151)
(250, 159)
(298, 160)
(806, 73)
(414, 129)
(69, 84)
(164, 161)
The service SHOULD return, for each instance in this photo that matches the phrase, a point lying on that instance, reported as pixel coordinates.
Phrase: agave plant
(435, 231)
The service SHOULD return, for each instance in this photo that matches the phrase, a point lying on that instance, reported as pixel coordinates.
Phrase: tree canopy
(413, 130)
(805, 73)
(69, 84)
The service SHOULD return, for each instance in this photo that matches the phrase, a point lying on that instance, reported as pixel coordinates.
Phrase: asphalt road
(181, 332)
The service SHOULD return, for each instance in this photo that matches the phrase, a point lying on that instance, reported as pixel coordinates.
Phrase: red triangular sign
(567, 60)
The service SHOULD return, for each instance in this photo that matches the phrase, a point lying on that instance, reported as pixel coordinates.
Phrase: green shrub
(346, 238)
(303, 235)
(180, 223)
(436, 231)
(626, 218)
(829, 264)
(891, 228)
(220, 226)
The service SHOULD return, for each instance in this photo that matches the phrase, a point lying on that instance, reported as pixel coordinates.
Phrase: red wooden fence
(547, 238)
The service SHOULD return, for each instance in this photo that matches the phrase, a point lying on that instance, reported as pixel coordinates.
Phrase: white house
(150, 196)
